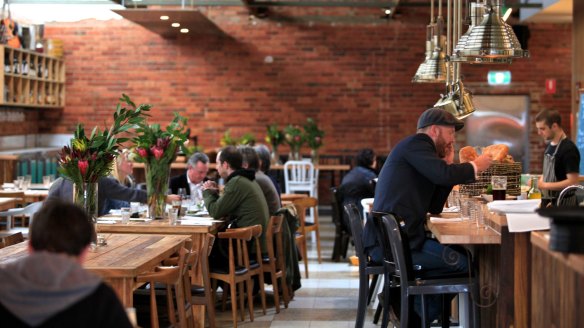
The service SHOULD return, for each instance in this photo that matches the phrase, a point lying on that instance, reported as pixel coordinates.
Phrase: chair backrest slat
(357, 232)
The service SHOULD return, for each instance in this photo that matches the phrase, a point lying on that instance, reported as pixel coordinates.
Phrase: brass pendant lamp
(457, 100)
(433, 69)
(492, 40)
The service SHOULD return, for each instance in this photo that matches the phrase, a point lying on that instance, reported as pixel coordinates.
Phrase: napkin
(515, 206)
(451, 209)
(106, 221)
(521, 222)
(196, 222)
(444, 220)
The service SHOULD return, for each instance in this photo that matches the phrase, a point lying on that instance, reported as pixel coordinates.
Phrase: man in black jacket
(416, 179)
(192, 180)
(49, 288)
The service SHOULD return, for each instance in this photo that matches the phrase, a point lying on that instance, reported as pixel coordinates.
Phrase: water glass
(135, 207)
(47, 180)
(126, 212)
(482, 216)
(473, 210)
(177, 204)
(173, 215)
(452, 198)
(465, 204)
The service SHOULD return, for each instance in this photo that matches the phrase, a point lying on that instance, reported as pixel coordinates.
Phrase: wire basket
(511, 170)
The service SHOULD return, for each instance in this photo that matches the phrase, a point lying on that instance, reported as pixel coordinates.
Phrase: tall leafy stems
(89, 158)
(157, 149)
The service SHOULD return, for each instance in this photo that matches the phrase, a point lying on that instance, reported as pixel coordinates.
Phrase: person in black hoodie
(49, 287)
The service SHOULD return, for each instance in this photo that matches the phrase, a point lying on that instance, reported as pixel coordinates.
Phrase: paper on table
(515, 206)
(191, 217)
(106, 221)
(109, 218)
(521, 222)
(451, 209)
(196, 222)
(444, 220)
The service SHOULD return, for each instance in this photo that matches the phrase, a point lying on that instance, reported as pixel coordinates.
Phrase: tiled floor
(327, 299)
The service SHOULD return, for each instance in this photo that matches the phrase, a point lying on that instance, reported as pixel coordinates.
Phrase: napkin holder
(566, 228)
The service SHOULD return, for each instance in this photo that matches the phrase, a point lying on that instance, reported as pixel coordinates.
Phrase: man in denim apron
(561, 159)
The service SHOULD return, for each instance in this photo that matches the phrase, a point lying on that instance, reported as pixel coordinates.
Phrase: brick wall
(354, 78)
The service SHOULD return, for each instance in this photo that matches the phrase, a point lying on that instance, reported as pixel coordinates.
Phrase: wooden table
(196, 233)
(7, 203)
(556, 285)
(119, 262)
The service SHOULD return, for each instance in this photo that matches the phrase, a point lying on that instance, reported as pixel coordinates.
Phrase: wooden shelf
(31, 79)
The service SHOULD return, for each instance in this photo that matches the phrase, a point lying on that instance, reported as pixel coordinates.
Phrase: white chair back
(300, 176)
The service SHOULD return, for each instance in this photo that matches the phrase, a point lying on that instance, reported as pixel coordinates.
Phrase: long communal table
(197, 234)
(120, 261)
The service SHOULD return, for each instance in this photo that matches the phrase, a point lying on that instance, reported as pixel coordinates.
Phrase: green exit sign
(499, 77)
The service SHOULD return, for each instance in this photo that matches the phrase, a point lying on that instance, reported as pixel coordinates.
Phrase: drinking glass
(135, 207)
(482, 214)
(176, 204)
(126, 212)
(499, 183)
(47, 180)
(173, 215)
(464, 203)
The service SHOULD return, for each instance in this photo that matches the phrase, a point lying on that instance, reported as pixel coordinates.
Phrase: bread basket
(511, 170)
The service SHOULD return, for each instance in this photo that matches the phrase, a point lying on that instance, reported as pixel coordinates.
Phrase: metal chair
(342, 230)
(29, 211)
(366, 267)
(300, 176)
(396, 250)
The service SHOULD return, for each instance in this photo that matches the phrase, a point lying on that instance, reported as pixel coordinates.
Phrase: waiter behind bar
(416, 179)
(561, 159)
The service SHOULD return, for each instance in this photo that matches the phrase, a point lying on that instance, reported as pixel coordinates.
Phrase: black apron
(549, 175)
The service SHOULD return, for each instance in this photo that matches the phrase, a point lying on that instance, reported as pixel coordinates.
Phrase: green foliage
(274, 136)
(313, 134)
(89, 158)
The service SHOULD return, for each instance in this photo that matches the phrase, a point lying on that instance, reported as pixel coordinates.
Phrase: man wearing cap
(416, 178)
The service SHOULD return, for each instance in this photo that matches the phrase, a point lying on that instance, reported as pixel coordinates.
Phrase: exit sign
(499, 77)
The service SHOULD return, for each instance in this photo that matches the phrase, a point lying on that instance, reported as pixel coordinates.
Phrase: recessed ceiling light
(184, 30)
(164, 17)
(175, 24)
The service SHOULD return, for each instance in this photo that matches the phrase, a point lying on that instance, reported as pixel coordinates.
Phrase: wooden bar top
(462, 232)
(541, 239)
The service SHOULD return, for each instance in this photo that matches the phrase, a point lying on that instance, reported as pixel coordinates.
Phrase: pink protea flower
(83, 165)
(158, 152)
(142, 152)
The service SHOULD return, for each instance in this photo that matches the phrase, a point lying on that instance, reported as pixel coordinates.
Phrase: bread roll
(497, 152)
(467, 154)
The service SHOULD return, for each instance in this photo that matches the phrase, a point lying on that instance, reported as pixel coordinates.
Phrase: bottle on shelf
(534, 192)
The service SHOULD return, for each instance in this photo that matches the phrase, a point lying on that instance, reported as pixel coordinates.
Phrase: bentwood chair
(342, 230)
(274, 263)
(203, 295)
(255, 265)
(11, 239)
(366, 266)
(302, 205)
(396, 250)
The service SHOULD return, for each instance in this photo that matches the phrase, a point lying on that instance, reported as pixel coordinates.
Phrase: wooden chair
(238, 272)
(274, 264)
(302, 205)
(203, 295)
(12, 239)
(255, 266)
(173, 278)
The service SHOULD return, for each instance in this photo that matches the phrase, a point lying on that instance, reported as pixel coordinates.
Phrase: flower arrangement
(89, 158)
(313, 134)
(274, 136)
(157, 148)
(295, 139)
(227, 139)
(247, 139)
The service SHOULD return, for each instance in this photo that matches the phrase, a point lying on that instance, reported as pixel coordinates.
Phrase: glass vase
(274, 157)
(156, 187)
(295, 153)
(85, 196)
(314, 155)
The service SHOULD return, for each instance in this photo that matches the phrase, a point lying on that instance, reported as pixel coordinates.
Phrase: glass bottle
(534, 192)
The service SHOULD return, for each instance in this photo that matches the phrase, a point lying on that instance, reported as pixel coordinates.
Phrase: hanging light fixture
(457, 100)
(491, 41)
(433, 69)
